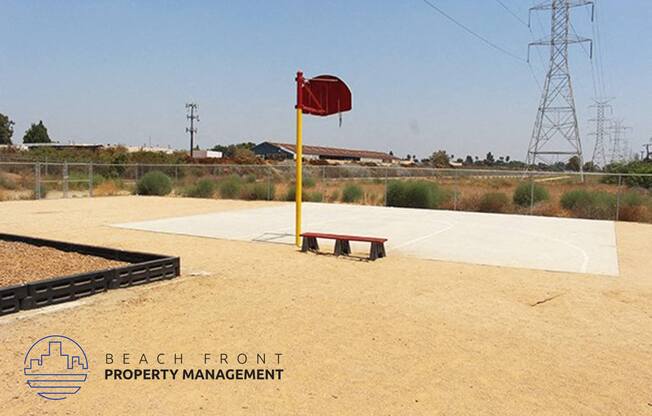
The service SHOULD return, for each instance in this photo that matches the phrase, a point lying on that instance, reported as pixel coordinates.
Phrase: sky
(121, 71)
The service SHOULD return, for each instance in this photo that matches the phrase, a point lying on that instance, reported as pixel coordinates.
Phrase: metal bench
(342, 246)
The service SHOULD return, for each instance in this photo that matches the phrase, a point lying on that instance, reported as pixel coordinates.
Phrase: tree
(6, 129)
(468, 160)
(440, 159)
(590, 167)
(229, 151)
(573, 164)
(243, 156)
(507, 158)
(37, 133)
(490, 158)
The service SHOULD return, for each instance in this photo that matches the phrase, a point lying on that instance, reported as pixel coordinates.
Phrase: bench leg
(346, 247)
(342, 248)
(338, 248)
(377, 251)
(309, 244)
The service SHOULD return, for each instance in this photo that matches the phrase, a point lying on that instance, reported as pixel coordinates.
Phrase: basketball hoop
(320, 96)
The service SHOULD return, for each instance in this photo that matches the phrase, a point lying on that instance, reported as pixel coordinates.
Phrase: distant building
(154, 149)
(279, 151)
(62, 146)
(206, 154)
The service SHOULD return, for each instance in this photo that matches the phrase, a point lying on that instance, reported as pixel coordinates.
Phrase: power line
(467, 29)
(589, 55)
(510, 11)
(599, 51)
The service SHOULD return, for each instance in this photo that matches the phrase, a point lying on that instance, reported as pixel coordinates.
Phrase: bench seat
(342, 244)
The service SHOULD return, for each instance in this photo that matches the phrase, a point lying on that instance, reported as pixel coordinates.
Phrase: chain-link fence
(617, 196)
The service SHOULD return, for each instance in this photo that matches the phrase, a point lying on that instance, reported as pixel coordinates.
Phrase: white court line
(585, 263)
(416, 240)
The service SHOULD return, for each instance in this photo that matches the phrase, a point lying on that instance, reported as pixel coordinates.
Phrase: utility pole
(601, 132)
(618, 147)
(556, 132)
(191, 109)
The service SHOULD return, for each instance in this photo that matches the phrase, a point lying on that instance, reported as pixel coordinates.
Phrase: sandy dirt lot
(400, 336)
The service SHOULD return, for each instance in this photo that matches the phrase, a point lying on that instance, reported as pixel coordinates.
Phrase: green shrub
(496, 202)
(258, 191)
(7, 183)
(230, 187)
(589, 204)
(415, 194)
(352, 193)
(315, 196)
(251, 178)
(308, 182)
(98, 179)
(154, 183)
(335, 196)
(637, 167)
(633, 207)
(632, 199)
(291, 194)
(528, 191)
(204, 188)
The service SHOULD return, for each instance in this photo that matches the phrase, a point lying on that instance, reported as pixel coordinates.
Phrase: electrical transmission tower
(191, 109)
(647, 153)
(618, 146)
(601, 132)
(556, 132)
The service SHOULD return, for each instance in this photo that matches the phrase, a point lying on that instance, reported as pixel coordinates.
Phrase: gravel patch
(21, 263)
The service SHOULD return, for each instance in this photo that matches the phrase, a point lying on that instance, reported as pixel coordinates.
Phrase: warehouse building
(280, 151)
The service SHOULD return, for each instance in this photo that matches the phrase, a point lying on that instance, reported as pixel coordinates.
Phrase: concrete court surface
(554, 244)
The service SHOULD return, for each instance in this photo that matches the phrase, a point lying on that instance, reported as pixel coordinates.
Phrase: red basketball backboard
(324, 95)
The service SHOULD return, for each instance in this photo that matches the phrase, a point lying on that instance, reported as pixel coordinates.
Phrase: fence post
(90, 179)
(620, 182)
(65, 179)
(457, 190)
(531, 194)
(269, 183)
(386, 179)
(37, 180)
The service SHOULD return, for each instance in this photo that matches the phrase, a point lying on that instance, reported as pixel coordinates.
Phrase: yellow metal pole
(299, 177)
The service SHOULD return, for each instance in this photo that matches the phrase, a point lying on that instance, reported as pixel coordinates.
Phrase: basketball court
(554, 244)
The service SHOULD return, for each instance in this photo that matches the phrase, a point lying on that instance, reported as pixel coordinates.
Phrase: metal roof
(336, 152)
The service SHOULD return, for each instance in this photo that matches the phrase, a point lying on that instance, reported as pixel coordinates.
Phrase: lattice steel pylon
(601, 132)
(556, 131)
(618, 144)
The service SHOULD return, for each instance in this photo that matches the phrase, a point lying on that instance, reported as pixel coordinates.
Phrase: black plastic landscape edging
(144, 268)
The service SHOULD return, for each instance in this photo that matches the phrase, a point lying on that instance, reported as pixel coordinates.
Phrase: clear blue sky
(121, 71)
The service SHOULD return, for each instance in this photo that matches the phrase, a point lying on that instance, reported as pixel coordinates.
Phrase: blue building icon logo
(55, 367)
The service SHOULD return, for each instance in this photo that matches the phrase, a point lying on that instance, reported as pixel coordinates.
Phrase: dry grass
(108, 188)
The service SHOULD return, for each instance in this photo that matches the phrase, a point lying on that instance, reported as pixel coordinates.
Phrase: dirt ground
(400, 336)
(22, 263)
